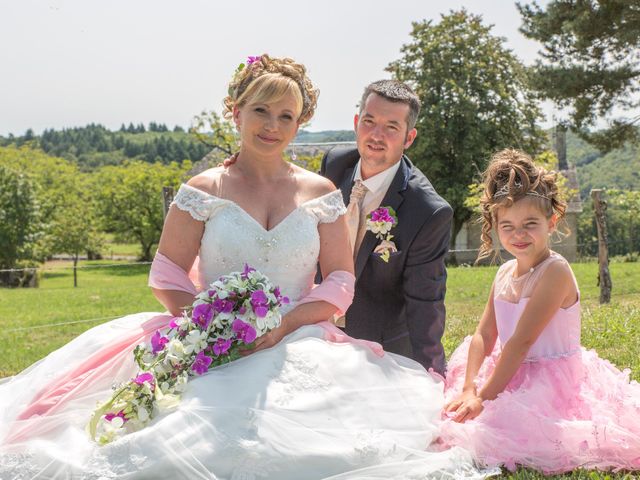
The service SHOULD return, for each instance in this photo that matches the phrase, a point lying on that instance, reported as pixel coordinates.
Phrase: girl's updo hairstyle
(512, 176)
(267, 79)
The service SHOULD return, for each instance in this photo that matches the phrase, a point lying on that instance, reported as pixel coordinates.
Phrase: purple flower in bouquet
(172, 323)
(244, 332)
(251, 59)
(158, 342)
(110, 416)
(201, 363)
(223, 306)
(260, 303)
(246, 271)
(221, 346)
(144, 377)
(202, 315)
(279, 297)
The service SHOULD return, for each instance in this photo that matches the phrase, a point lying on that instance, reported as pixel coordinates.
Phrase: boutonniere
(380, 222)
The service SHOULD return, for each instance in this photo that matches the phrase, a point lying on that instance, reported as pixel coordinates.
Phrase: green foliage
(94, 146)
(130, 200)
(215, 132)
(20, 218)
(305, 136)
(591, 62)
(475, 101)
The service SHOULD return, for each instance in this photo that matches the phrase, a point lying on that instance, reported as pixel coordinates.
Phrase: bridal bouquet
(232, 312)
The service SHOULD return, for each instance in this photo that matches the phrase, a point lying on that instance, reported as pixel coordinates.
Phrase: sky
(68, 63)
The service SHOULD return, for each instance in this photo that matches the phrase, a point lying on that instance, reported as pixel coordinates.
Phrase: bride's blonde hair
(267, 80)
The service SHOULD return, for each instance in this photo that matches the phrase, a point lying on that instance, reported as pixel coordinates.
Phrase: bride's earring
(294, 157)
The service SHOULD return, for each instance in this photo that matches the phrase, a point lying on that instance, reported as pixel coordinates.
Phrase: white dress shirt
(377, 186)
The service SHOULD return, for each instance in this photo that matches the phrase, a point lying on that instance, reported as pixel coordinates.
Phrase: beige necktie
(355, 217)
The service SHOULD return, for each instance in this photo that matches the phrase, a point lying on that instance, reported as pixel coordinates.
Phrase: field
(33, 322)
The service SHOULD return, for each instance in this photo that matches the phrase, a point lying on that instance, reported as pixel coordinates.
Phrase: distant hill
(94, 145)
(325, 136)
(617, 169)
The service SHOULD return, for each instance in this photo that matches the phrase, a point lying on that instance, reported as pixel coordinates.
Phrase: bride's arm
(335, 255)
(179, 242)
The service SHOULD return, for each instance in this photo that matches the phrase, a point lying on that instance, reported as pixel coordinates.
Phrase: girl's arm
(554, 289)
(551, 293)
(482, 343)
(335, 255)
(180, 243)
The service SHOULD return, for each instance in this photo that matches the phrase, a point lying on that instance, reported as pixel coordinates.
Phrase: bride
(307, 402)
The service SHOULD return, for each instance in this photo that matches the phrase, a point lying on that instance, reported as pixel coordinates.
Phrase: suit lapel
(347, 184)
(393, 198)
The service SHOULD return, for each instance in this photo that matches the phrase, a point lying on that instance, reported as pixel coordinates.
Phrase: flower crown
(505, 190)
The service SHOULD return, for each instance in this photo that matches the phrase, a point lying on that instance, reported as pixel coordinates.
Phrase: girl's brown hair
(511, 176)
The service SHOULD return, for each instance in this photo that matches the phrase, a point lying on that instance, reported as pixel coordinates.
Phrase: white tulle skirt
(307, 408)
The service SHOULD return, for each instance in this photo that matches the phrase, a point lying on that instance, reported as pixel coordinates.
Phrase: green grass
(106, 292)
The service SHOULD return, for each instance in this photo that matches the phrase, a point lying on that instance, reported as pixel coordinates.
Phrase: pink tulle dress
(565, 408)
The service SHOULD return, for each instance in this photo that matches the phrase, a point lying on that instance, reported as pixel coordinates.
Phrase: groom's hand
(229, 161)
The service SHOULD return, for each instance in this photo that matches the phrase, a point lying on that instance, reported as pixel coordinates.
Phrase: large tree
(130, 200)
(590, 63)
(20, 219)
(475, 100)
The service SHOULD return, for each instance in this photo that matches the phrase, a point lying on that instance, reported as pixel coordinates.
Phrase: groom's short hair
(395, 91)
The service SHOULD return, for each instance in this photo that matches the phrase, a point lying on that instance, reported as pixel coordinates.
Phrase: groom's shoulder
(338, 159)
(424, 193)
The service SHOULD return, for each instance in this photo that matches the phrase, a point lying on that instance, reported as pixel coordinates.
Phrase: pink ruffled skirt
(555, 415)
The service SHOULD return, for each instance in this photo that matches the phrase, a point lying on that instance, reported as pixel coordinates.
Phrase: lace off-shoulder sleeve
(199, 204)
(327, 208)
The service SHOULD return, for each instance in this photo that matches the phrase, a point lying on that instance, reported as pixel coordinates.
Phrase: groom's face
(382, 134)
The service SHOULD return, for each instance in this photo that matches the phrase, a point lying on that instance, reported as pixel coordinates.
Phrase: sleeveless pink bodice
(561, 336)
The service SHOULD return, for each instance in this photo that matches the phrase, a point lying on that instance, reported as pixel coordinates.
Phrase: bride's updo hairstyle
(512, 176)
(265, 80)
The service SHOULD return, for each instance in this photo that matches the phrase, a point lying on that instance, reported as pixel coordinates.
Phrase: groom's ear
(411, 136)
(356, 117)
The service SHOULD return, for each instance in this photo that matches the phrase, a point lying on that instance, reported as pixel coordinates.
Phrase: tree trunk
(604, 277)
(75, 270)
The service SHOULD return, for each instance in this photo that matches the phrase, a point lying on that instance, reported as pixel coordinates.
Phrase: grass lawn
(106, 292)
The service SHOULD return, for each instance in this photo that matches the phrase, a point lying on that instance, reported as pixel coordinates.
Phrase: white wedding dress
(307, 408)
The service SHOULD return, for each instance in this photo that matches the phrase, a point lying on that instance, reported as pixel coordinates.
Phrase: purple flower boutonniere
(380, 222)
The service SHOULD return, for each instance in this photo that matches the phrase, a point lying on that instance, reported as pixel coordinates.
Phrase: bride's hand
(267, 340)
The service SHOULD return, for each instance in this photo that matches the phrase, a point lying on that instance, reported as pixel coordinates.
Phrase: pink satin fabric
(166, 275)
(81, 379)
(337, 289)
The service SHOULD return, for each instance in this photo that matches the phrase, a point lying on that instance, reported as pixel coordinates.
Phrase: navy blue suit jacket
(400, 304)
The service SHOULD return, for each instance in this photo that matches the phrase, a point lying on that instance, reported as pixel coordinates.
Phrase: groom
(398, 303)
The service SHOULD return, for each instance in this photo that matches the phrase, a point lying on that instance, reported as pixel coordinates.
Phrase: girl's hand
(467, 409)
(453, 405)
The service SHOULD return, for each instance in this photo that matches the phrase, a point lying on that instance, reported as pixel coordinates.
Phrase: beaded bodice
(287, 253)
(560, 337)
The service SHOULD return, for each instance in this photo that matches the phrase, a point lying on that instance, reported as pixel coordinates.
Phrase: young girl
(540, 399)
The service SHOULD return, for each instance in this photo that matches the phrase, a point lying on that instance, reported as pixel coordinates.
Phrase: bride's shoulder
(322, 199)
(199, 196)
(208, 181)
(312, 184)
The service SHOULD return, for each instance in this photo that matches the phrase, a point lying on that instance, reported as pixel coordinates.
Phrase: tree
(590, 63)
(130, 200)
(20, 221)
(475, 100)
(74, 226)
(215, 132)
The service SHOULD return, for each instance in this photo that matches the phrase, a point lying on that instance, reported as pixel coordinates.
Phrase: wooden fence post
(604, 277)
(167, 198)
